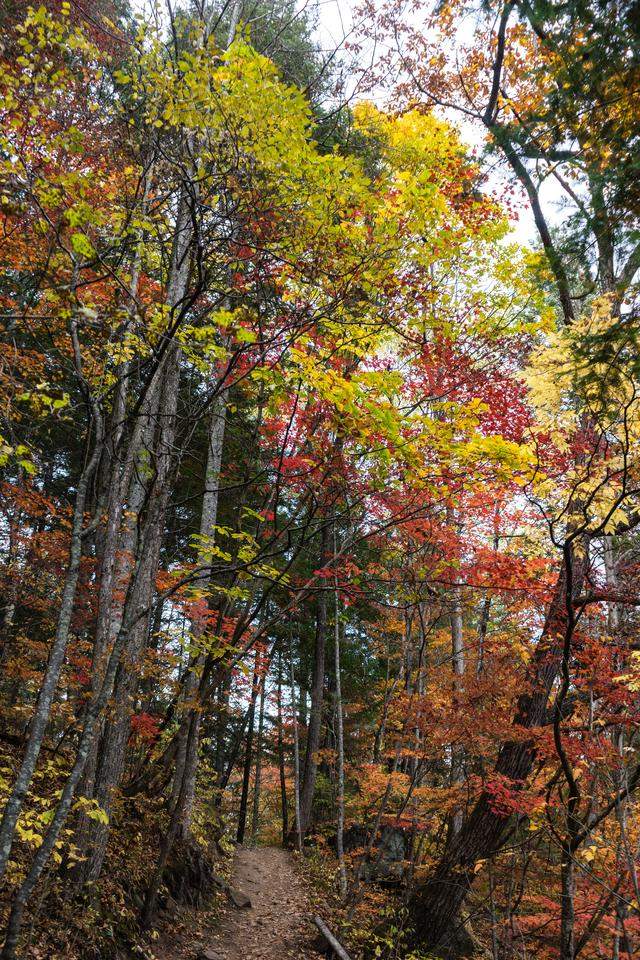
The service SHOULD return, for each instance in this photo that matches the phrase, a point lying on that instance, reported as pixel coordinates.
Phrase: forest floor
(277, 926)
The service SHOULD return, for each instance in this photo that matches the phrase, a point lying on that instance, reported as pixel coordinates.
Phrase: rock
(387, 862)
(239, 899)
(209, 954)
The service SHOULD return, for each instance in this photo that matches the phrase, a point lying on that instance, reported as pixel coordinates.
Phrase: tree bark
(296, 756)
(135, 611)
(187, 760)
(155, 428)
(281, 766)
(248, 759)
(255, 820)
(113, 744)
(437, 904)
(315, 716)
(567, 924)
(342, 873)
(458, 664)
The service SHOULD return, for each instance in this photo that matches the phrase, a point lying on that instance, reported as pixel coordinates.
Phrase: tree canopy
(320, 489)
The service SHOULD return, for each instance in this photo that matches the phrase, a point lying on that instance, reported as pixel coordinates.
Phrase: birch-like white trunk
(187, 760)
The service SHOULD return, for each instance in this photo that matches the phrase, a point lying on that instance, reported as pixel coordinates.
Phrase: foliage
(314, 480)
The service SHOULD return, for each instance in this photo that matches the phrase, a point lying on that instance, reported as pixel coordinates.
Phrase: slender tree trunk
(482, 634)
(492, 905)
(317, 698)
(135, 611)
(248, 759)
(458, 664)
(222, 725)
(149, 909)
(115, 482)
(11, 601)
(184, 782)
(281, 766)
(255, 821)
(296, 754)
(187, 762)
(567, 924)
(339, 741)
(620, 937)
(115, 736)
(486, 603)
(149, 492)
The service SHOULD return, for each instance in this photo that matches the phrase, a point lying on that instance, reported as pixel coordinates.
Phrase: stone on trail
(209, 954)
(239, 899)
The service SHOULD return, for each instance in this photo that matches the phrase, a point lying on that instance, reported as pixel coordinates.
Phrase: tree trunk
(567, 926)
(135, 611)
(310, 765)
(317, 697)
(281, 766)
(150, 495)
(339, 745)
(296, 755)
(152, 442)
(255, 821)
(458, 664)
(437, 904)
(187, 761)
(248, 759)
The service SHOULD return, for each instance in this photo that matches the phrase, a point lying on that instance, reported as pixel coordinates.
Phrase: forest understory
(319, 479)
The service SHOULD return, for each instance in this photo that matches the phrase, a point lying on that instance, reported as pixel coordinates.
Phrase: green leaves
(81, 245)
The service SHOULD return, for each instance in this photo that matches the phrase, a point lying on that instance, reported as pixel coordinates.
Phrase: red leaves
(506, 797)
(144, 728)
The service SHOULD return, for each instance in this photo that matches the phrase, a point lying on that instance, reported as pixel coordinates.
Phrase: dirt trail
(277, 926)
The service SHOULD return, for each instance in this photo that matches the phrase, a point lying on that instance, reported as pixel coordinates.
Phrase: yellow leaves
(511, 457)
(592, 851)
(579, 376)
(28, 835)
(91, 809)
(413, 141)
(42, 400)
(363, 401)
(559, 369)
(631, 679)
(20, 454)
(416, 149)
